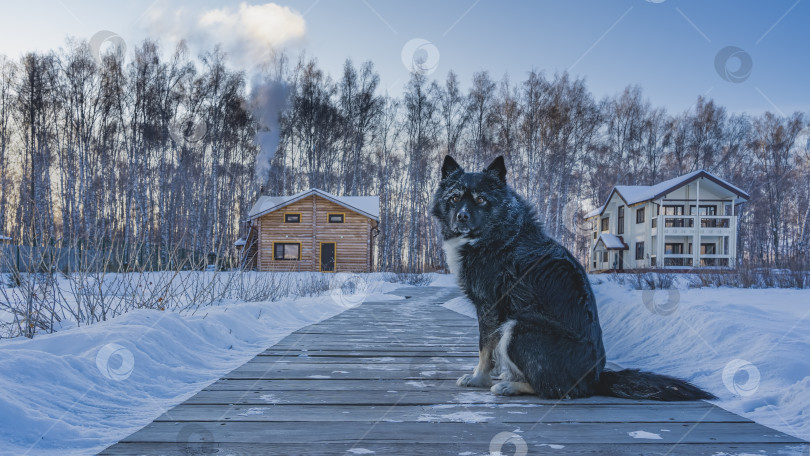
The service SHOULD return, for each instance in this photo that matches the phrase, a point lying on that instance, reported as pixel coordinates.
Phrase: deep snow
(747, 346)
(81, 389)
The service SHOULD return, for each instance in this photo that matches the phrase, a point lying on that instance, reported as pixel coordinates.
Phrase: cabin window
(287, 251)
(292, 218)
(605, 223)
(640, 215)
(604, 256)
(594, 235)
(639, 250)
(620, 225)
(335, 218)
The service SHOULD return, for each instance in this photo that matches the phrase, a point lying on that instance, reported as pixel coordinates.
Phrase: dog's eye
(455, 199)
(480, 200)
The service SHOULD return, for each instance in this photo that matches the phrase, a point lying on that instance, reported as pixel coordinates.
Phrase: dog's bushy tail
(636, 384)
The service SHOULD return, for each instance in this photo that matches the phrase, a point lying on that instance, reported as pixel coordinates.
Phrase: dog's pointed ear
(498, 168)
(449, 166)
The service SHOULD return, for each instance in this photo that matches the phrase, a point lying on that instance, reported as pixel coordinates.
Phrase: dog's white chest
(452, 252)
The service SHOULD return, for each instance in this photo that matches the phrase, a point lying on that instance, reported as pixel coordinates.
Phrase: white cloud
(249, 34)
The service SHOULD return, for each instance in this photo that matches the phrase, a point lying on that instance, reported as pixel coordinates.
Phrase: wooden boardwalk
(380, 379)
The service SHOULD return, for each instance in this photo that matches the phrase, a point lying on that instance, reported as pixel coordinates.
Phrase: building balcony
(687, 260)
(684, 225)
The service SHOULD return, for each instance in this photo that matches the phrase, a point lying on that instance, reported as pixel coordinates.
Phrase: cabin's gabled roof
(368, 206)
(635, 194)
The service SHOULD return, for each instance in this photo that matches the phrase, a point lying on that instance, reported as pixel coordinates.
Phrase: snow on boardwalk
(380, 379)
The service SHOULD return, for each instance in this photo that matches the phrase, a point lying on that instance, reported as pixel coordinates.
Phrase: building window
(708, 210)
(673, 249)
(335, 218)
(639, 250)
(620, 221)
(594, 234)
(675, 222)
(640, 215)
(292, 218)
(604, 256)
(605, 223)
(286, 251)
(673, 210)
(708, 248)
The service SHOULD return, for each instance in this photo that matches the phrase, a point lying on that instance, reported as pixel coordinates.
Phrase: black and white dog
(537, 316)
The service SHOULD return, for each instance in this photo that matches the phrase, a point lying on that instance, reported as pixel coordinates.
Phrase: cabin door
(327, 257)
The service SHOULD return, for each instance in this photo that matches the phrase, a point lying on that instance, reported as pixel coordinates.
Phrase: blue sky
(667, 47)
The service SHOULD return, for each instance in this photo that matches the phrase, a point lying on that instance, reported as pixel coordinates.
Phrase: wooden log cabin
(312, 231)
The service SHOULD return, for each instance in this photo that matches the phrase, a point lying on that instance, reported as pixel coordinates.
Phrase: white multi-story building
(686, 222)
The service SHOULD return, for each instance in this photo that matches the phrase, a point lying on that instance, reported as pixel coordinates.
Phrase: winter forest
(159, 155)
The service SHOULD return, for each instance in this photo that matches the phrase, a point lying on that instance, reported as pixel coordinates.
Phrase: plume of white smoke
(249, 34)
(269, 98)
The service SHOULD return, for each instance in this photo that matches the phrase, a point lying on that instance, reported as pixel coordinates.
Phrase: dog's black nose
(463, 216)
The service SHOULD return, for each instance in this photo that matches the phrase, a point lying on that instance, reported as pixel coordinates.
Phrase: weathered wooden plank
(426, 396)
(471, 433)
(499, 413)
(332, 384)
(378, 361)
(379, 352)
(463, 448)
(443, 375)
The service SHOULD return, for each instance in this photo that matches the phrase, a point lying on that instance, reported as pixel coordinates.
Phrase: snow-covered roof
(634, 194)
(368, 206)
(612, 242)
(4, 238)
(595, 212)
(240, 241)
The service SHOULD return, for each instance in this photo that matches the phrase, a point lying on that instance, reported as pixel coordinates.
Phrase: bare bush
(415, 279)
(83, 290)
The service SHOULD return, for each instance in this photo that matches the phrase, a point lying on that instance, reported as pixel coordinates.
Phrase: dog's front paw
(474, 381)
(508, 389)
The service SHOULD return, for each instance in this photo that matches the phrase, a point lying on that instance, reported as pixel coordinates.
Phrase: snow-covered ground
(750, 347)
(83, 388)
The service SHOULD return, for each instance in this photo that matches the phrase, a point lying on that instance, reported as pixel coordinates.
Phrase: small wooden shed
(312, 231)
